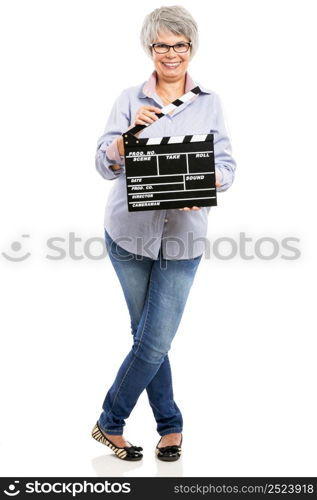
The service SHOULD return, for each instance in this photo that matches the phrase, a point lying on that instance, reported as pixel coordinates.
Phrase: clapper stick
(169, 172)
(167, 109)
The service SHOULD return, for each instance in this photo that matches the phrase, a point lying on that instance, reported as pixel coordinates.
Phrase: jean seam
(128, 369)
(156, 408)
(147, 311)
(122, 279)
(134, 354)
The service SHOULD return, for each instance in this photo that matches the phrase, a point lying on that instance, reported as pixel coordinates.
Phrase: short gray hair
(175, 19)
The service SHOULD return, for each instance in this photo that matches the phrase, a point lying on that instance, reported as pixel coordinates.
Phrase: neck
(173, 89)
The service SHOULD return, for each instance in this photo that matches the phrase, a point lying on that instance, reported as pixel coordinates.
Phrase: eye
(181, 46)
(162, 46)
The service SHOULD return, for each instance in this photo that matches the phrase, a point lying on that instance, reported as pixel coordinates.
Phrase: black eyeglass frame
(171, 46)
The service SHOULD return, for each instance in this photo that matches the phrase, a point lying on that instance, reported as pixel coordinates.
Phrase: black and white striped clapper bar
(169, 172)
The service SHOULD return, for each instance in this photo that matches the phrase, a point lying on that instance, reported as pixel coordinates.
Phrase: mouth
(171, 65)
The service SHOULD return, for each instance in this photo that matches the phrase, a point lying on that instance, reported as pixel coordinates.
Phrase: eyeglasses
(163, 48)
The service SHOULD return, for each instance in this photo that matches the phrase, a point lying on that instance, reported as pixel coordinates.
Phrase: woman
(150, 250)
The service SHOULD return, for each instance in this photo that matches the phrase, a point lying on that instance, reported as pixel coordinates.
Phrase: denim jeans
(156, 292)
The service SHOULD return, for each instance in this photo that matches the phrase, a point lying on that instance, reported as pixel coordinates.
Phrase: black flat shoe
(125, 453)
(169, 453)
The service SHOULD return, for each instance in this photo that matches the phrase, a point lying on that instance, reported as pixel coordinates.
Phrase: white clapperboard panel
(169, 172)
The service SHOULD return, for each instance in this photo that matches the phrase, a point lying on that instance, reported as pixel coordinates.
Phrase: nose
(171, 54)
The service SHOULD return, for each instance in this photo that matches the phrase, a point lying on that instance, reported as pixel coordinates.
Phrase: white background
(244, 357)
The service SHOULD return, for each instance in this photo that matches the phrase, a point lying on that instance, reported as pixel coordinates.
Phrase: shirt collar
(149, 87)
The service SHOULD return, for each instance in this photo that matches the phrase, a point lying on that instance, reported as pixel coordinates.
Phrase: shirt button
(165, 220)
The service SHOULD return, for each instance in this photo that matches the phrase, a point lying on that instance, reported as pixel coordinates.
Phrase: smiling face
(171, 66)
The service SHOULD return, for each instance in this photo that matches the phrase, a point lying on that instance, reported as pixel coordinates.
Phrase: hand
(186, 209)
(146, 115)
(120, 145)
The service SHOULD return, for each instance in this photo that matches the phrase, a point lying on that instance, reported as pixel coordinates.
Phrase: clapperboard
(169, 172)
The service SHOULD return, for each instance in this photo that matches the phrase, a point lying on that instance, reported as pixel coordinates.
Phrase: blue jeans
(155, 292)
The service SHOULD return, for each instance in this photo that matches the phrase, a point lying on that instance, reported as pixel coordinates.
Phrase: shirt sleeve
(107, 153)
(224, 162)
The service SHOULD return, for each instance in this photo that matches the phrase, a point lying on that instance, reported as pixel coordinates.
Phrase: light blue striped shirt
(180, 234)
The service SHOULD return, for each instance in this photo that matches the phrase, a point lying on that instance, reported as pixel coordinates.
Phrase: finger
(190, 208)
(147, 116)
(153, 108)
(140, 122)
(143, 118)
(151, 114)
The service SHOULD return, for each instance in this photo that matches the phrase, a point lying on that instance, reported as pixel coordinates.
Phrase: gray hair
(175, 19)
